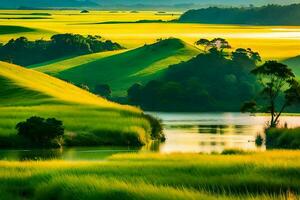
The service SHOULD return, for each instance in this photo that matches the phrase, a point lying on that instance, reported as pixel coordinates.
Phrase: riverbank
(265, 175)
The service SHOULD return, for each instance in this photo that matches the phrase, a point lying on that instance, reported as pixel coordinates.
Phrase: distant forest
(23, 52)
(266, 15)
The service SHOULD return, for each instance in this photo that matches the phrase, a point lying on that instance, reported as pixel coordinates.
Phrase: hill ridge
(122, 70)
(46, 88)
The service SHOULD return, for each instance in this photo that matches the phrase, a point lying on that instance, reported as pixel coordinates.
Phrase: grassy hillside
(122, 70)
(294, 63)
(253, 176)
(88, 119)
(54, 67)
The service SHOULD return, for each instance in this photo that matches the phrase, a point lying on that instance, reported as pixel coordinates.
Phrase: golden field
(273, 42)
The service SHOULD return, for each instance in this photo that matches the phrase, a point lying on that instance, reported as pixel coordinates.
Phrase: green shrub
(259, 140)
(233, 152)
(283, 138)
(156, 128)
(41, 132)
(134, 137)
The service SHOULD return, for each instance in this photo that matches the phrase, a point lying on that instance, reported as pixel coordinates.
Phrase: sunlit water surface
(214, 132)
(185, 132)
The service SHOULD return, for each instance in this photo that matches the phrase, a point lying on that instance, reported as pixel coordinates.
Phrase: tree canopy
(280, 89)
(217, 43)
(209, 82)
(265, 15)
(20, 51)
(41, 132)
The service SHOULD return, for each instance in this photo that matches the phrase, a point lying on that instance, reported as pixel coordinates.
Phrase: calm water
(214, 132)
(185, 132)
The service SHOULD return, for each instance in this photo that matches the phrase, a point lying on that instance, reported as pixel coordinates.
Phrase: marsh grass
(266, 175)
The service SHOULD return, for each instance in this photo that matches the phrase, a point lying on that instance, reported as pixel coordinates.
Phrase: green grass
(14, 29)
(122, 70)
(54, 67)
(266, 175)
(88, 119)
(294, 63)
(283, 138)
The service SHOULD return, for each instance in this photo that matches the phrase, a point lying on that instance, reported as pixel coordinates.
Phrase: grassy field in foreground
(88, 119)
(266, 175)
(276, 42)
(122, 70)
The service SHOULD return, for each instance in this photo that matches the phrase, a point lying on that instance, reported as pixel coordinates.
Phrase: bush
(41, 132)
(234, 152)
(156, 128)
(103, 90)
(259, 140)
(283, 138)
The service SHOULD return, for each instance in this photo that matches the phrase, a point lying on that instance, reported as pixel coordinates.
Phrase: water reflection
(214, 132)
(79, 153)
(185, 132)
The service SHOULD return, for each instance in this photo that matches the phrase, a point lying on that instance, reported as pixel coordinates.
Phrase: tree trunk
(273, 123)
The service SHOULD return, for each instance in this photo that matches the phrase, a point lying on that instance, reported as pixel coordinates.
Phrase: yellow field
(273, 42)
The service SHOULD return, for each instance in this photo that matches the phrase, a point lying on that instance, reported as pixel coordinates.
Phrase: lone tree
(41, 132)
(84, 11)
(279, 89)
(103, 90)
(218, 43)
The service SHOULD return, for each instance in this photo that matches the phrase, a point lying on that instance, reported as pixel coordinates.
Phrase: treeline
(266, 15)
(23, 52)
(214, 81)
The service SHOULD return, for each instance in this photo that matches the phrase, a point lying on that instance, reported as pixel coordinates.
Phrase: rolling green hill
(294, 63)
(54, 67)
(88, 119)
(122, 70)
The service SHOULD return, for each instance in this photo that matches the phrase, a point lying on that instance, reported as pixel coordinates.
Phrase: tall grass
(270, 175)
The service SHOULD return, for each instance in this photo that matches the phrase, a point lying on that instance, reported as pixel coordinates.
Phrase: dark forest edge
(265, 15)
(187, 86)
(19, 51)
